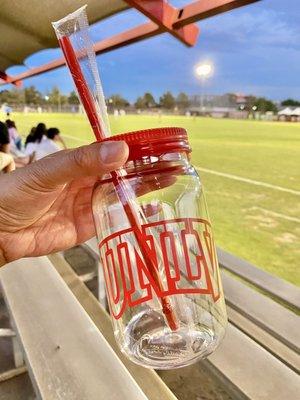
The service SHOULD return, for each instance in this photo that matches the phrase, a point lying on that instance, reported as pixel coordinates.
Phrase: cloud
(261, 27)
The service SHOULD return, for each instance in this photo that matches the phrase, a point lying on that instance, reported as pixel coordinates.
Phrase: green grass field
(258, 222)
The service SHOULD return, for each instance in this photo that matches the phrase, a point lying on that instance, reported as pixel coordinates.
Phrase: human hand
(46, 206)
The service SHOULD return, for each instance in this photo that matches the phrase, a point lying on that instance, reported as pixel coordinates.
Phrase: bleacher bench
(71, 353)
(65, 337)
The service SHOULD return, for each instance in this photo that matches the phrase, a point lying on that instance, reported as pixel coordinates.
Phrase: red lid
(154, 142)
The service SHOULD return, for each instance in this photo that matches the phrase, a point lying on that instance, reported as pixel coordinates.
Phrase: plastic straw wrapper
(72, 32)
(75, 42)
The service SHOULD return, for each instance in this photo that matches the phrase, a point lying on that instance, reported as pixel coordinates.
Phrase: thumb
(62, 167)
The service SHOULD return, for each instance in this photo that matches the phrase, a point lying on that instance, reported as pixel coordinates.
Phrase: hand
(46, 206)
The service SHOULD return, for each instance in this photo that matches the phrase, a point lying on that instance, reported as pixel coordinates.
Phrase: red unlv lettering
(185, 256)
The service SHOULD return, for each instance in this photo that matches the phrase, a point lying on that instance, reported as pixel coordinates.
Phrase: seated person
(30, 136)
(6, 160)
(14, 136)
(36, 134)
(10, 152)
(44, 142)
(54, 134)
(34, 138)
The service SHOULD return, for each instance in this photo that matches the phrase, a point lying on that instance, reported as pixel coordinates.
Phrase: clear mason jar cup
(171, 313)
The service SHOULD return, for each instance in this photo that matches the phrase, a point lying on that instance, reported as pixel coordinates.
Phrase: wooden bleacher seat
(251, 372)
(276, 287)
(66, 355)
(263, 311)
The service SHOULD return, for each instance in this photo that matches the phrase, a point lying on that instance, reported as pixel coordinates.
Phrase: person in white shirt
(34, 138)
(44, 142)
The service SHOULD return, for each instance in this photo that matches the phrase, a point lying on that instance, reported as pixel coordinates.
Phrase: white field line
(75, 138)
(276, 214)
(230, 176)
(246, 180)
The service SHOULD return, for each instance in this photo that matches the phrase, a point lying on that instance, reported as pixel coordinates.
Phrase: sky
(255, 50)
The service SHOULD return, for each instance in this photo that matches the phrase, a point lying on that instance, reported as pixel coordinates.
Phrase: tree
(32, 96)
(149, 100)
(167, 101)
(290, 102)
(73, 98)
(146, 101)
(56, 98)
(118, 101)
(139, 103)
(182, 101)
(13, 96)
(4, 96)
(262, 104)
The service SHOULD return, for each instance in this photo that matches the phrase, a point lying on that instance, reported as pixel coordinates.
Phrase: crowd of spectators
(39, 143)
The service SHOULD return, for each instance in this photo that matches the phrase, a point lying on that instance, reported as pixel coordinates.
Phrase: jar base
(161, 348)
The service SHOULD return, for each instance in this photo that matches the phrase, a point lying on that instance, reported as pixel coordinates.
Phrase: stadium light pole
(203, 71)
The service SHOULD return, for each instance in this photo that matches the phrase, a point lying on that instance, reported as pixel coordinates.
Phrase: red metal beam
(164, 15)
(202, 9)
(4, 79)
(35, 71)
(122, 39)
(133, 35)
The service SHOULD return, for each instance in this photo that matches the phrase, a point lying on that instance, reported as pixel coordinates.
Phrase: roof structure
(286, 111)
(296, 112)
(25, 26)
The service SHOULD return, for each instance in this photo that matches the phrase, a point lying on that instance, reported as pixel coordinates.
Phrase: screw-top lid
(154, 142)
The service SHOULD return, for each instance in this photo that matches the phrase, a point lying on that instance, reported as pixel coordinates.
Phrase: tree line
(32, 96)
(147, 101)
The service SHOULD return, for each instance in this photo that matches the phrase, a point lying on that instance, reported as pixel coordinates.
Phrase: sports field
(251, 172)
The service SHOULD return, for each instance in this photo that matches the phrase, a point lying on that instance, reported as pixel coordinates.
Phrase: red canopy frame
(207, 8)
(6, 78)
(164, 18)
(165, 15)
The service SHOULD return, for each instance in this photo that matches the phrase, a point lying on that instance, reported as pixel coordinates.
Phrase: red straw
(90, 109)
(82, 87)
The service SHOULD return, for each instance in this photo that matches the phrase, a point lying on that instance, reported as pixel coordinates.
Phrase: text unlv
(187, 263)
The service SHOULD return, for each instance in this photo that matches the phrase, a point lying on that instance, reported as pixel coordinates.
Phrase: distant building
(241, 99)
(229, 105)
(208, 100)
(289, 114)
(296, 114)
(216, 112)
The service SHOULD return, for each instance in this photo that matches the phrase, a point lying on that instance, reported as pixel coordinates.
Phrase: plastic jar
(174, 315)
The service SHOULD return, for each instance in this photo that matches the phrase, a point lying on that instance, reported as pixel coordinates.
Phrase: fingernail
(112, 152)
